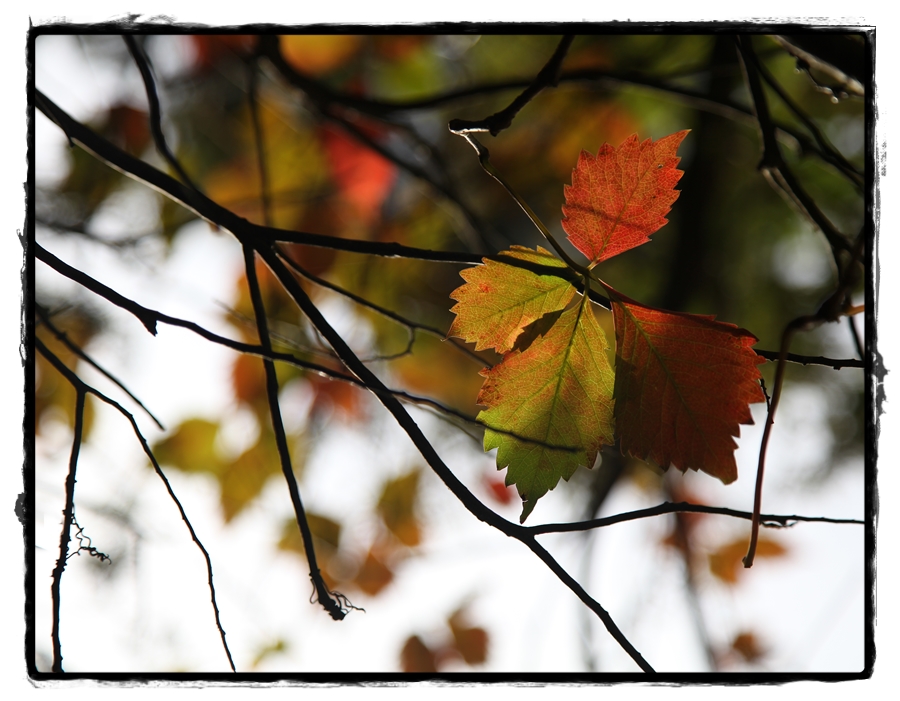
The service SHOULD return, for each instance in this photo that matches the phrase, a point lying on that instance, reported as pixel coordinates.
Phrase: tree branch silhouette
(82, 390)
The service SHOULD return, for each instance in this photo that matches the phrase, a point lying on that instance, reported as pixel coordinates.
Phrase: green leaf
(557, 395)
(498, 301)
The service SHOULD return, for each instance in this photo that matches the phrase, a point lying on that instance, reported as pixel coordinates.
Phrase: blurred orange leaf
(726, 562)
(373, 575)
(748, 646)
(335, 393)
(470, 642)
(318, 54)
(416, 656)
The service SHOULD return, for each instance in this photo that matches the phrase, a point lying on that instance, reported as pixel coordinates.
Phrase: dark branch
(323, 595)
(547, 77)
(474, 506)
(143, 64)
(773, 165)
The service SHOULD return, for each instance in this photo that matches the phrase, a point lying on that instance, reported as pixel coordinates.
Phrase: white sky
(236, 577)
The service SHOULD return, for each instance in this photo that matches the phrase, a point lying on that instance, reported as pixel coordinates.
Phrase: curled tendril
(89, 549)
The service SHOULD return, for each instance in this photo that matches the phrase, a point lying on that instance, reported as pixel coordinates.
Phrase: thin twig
(484, 158)
(259, 141)
(835, 306)
(64, 536)
(547, 77)
(766, 520)
(143, 64)
(828, 151)
(773, 165)
(857, 341)
(45, 320)
(412, 326)
(83, 388)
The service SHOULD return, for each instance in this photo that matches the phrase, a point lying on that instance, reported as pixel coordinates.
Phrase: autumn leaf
(683, 386)
(726, 563)
(556, 394)
(498, 301)
(621, 196)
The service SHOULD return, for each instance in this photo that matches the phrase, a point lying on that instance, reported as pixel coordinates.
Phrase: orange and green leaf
(498, 301)
(621, 196)
(684, 383)
(554, 403)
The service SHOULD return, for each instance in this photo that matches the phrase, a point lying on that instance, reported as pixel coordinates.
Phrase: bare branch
(766, 520)
(547, 77)
(45, 320)
(329, 602)
(82, 389)
(143, 64)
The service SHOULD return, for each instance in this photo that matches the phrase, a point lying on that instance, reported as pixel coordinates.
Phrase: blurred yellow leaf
(191, 447)
(326, 534)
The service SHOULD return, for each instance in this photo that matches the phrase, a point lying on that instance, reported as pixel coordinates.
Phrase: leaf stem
(484, 157)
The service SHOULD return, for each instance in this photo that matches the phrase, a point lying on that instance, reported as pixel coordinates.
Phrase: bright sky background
(508, 577)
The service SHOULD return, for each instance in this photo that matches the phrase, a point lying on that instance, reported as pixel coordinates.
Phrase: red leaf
(683, 385)
(498, 491)
(621, 196)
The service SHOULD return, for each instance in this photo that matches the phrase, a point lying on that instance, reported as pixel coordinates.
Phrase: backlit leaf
(498, 301)
(683, 385)
(621, 196)
(557, 394)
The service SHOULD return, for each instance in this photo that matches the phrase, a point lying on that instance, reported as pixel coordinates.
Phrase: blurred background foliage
(355, 145)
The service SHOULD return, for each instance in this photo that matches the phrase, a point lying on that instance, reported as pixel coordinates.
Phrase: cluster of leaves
(559, 392)
(682, 383)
